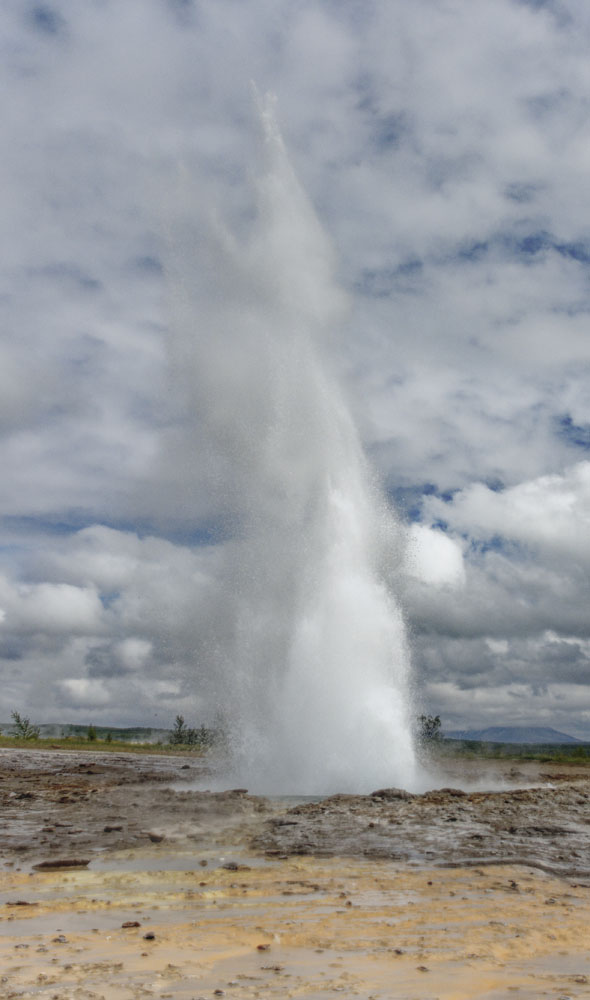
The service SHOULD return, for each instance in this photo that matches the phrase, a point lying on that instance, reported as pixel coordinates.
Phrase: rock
(131, 923)
(390, 794)
(156, 838)
(62, 863)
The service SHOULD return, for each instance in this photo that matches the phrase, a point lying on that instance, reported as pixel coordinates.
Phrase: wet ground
(545, 826)
(78, 804)
(181, 893)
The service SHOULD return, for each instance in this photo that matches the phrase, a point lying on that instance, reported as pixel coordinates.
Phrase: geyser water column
(307, 654)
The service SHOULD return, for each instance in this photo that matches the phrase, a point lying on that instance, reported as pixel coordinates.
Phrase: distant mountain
(513, 734)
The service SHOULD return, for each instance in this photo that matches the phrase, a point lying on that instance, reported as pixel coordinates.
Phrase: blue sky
(445, 148)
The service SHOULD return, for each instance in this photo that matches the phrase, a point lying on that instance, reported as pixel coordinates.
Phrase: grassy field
(572, 753)
(108, 742)
(21, 733)
(106, 746)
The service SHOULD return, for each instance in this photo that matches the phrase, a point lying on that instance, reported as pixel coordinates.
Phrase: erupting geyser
(307, 652)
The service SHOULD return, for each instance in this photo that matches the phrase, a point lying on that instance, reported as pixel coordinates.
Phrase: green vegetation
(23, 728)
(133, 734)
(430, 728)
(181, 739)
(184, 739)
(182, 736)
(78, 737)
(566, 753)
(81, 743)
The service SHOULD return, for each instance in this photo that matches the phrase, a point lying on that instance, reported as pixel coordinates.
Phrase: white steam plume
(308, 652)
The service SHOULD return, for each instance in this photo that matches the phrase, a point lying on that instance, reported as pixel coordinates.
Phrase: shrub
(178, 736)
(181, 735)
(24, 729)
(430, 727)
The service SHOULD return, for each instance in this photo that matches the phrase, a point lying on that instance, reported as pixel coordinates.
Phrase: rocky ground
(79, 804)
(546, 827)
(121, 880)
(58, 805)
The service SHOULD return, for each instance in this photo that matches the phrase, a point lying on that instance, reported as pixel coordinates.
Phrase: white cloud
(134, 652)
(434, 558)
(522, 623)
(51, 608)
(563, 707)
(445, 149)
(550, 514)
(83, 693)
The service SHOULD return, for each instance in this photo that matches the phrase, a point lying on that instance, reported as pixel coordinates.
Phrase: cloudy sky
(445, 147)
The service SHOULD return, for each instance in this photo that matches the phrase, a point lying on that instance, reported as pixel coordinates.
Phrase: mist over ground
(445, 152)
